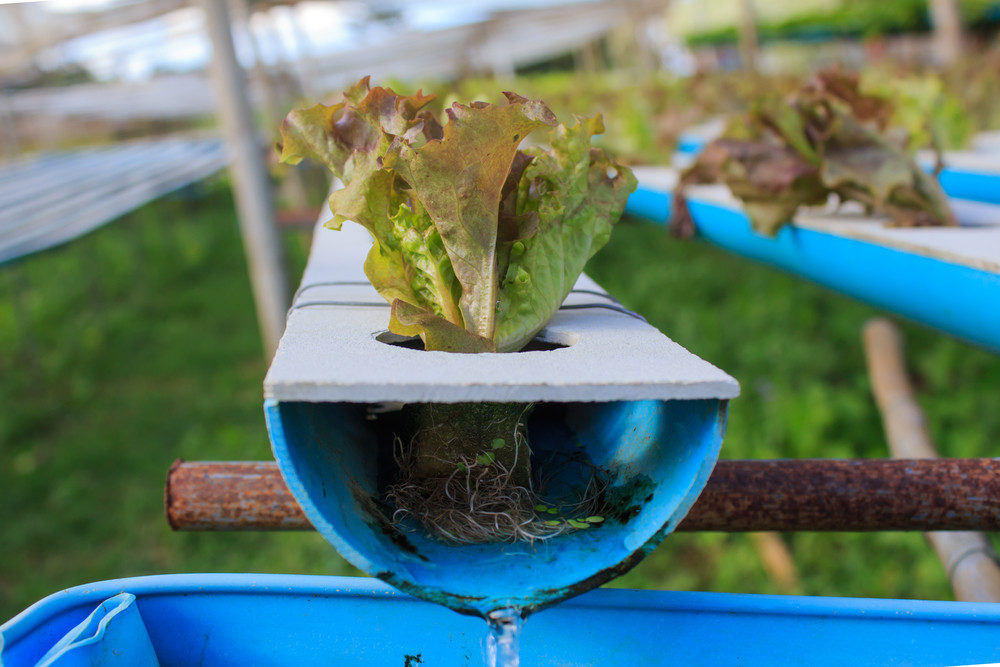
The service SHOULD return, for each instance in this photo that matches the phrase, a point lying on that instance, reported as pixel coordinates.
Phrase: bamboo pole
(777, 560)
(748, 38)
(251, 187)
(967, 556)
(947, 21)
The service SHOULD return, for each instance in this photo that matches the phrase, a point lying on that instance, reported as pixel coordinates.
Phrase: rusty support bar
(236, 495)
(748, 495)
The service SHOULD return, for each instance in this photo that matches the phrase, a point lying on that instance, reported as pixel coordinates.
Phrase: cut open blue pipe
(658, 455)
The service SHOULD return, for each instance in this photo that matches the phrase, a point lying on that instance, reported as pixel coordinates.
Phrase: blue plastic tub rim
(285, 619)
(307, 585)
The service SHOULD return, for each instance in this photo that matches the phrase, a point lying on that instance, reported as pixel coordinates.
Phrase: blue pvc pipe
(649, 204)
(971, 185)
(690, 145)
(954, 298)
(658, 455)
(259, 619)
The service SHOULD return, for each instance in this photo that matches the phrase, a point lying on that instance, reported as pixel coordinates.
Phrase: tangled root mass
(484, 501)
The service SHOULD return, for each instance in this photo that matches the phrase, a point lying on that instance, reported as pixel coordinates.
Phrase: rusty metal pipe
(745, 495)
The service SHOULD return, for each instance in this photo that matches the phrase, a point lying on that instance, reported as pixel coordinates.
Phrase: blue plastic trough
(618, 395)
(660, 453)
(971, 185)
(248, 619)
(899, 270)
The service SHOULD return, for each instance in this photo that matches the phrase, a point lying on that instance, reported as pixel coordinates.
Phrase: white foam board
(330, 353)
(981, 159)
(976, 243)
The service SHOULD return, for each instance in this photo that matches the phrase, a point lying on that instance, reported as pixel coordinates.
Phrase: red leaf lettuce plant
(829, 138)
(476, 242)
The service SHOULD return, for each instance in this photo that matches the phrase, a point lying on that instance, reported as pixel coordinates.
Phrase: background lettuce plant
(476, 244)
(829, 138)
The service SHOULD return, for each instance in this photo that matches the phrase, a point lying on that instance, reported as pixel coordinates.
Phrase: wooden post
(252, 190)
(587, 57)
(292, 184)
(777, 560)
(967, 556)
(947, 22)
(749, 41)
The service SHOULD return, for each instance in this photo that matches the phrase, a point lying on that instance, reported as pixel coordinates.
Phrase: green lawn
(137, 345)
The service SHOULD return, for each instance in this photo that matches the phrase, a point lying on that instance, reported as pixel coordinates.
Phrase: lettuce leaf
(437, 333)
(458, 179)
(577, 195)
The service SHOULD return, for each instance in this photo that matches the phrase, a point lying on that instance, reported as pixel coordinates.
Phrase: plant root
(482, 502)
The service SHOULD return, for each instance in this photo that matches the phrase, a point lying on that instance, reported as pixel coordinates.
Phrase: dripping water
(502, 642)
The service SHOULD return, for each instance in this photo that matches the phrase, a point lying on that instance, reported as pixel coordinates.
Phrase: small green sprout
(486, 459)
(499, 443)
(578, 524)
(594, 519)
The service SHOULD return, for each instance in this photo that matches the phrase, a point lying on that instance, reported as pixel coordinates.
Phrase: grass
(137, 344)
(123, 351)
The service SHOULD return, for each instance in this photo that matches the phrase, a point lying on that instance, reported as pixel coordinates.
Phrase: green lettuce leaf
(436, 332)
(328, 134)
(458, 180)
(577, 195)
(932, 115)
(407, 259)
